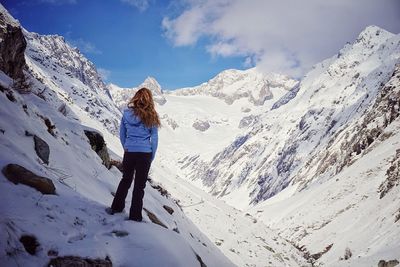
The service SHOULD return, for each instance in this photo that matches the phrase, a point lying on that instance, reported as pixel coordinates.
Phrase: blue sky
(126, 43)
(186, 42)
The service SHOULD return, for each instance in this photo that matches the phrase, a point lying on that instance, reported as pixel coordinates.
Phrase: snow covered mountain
(231, 85)
(306, 172)
(287, 144)
(121, 96)
(65, 71)
(57, 134)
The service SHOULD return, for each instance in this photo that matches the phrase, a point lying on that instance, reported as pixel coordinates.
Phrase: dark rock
(120, 233)
(52, 253)
(12, 47)
(391, 263)
(10, 96)
(18, 174)
(153, 218)
(117, 164)
(42, 149)
(287, 97)
(160, 189)
(201, 125)
(168, 209)
(392, 175)
(74, 261)
(50, 126)
(202, 264)
(30, 243)
(97, 143)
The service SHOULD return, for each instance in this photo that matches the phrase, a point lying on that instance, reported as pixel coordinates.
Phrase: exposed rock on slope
(98, 144)
(12, 46)
(20, 175)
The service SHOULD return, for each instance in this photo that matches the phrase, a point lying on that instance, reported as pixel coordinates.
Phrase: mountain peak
(152, 84)
(373, 35)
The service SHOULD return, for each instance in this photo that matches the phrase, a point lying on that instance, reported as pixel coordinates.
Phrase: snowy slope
(73, 222)
(63, 70)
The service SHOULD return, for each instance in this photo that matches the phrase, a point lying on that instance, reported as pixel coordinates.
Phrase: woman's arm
(122, 132)
(154, 142)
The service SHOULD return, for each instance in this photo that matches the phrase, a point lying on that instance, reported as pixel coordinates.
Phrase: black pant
(137, 163)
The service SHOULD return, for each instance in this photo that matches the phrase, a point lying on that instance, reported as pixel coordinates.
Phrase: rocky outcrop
(42, 149)
(68, 261)
(345, 147)
(20, 175)
(30, 243)
(97, 143)
(392, 174)
(287, 97)
(12, 46)
(391, 263)
(247, 121)
(201, 125)
(154, 219)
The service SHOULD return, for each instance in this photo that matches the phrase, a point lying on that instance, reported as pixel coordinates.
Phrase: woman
(139, 137)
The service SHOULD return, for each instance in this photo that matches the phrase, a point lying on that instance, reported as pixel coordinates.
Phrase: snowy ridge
(231, 85)
(65, 71)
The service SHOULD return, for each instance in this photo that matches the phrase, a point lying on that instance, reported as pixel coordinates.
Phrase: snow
(250, 185)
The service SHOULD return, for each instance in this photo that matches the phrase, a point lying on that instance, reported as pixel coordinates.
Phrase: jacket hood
(130, 117)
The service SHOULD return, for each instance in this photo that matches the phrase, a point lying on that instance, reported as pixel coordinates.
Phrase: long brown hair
(143, 106)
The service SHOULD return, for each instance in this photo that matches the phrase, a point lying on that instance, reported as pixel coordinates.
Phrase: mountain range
(259, 169)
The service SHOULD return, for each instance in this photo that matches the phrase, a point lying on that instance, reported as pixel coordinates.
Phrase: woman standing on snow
(139, 137)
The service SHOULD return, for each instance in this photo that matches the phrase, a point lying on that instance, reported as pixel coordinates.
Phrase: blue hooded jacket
(135, 136)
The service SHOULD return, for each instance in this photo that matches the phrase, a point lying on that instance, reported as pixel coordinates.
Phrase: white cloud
(286, 36)
(142, 5)
(84, 46)
(104, 73)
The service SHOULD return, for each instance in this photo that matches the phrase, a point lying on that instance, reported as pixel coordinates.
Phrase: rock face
(391, 263)
(12, 46)
(68, 261)
(42, 149)
(97, 143)
(287, 97)
(19, 175)
(201, 125)
(393, 176)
